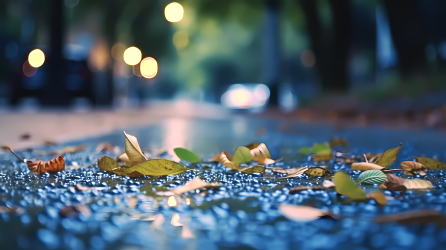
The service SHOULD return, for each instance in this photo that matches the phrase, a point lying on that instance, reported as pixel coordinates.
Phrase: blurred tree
(330, 44)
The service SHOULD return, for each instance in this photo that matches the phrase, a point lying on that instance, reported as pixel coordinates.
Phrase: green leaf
(156, 167)
(241, 155)
(388, 157)
(253, 169)
(430, 163)
(346, 186)
(305, 150)
(108, 164)
(324, 152)
(132, 149)
(372, 177)
(318, 147)
(186, 155)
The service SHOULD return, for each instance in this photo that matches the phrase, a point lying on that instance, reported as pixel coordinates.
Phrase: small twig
(365, 157)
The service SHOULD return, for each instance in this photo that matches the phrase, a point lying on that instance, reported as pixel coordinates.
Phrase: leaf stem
(365, 157)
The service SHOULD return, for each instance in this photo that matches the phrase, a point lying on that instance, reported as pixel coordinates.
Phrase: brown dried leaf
(364, 166)
(418, 184)
(252, 145)
(430, 163)
(226, 160)
(261, 153)
(412, 167)
(194, 184)
(54, 165)
(379, 197)
(393, 183)
(317, 171)
(216, 157)
(423, 216)
(297, 172)
(302, 188)
(69, 149)
(132, 149)
(302, 213)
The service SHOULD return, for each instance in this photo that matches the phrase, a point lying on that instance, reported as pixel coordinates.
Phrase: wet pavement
(126, 213)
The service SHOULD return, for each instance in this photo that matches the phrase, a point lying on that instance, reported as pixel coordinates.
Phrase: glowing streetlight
(132, 56)
(148, 67)
(36, 58)
(174, 12)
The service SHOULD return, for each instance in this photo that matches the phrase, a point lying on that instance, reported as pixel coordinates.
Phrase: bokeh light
(132, 56)
(148, 67)
(308, 58)
(174, 12)
(28, 70)
(171, 202)
(180, 39)
(117, 50)
(36, 58)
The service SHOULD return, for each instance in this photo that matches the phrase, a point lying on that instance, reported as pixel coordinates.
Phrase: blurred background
(362, 61)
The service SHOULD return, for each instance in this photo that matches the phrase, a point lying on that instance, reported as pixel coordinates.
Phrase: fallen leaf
(261, 154)
(334, 142)
(346, 186)
(412, 167)
(364, 166)
(430, 163)
(12, 151)
(422, 217)
(226, 160)
(284, 170)
(132, 149)
(321, 157)
(297, 172)
(321, 149)
(156, 167)
(379, 197)
(124, 160)
(302, 213)
(393, 183)
(253, 169)
(109, 164)
(325, 185)
(215, 157)
(305, 150)
(388, 157)
(69, 149)
(328, 184)
(241, 155)
(194, 184)
(54, 165)
(417, 184)
(317, 171)
(107, 147)
(186, 155)
(372, 177)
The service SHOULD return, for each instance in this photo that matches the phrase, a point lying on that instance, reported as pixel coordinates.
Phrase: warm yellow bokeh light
(132, 56)
(36, 58)
(148, 67)
(180, 39)
(172, 202)
(174, 12)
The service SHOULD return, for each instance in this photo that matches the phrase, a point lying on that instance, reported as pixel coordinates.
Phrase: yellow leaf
(132, 149)
(317, 171)
(388, 157)
(347, 187)
(108, 164)
(226, 160)
(297, 172)
(379, 197)
(430, 163)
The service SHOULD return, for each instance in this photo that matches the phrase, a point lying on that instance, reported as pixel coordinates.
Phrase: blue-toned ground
(126, 213)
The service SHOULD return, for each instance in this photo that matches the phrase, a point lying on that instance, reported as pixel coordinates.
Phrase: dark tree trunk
(55, 93)
(330, 48)
(409, 35)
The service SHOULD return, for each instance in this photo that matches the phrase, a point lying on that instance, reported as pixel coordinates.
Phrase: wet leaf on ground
(156, 167)
(253, 169)
(261, 154)
(318, 172)
(132, 149)
(241, 155)
(364, 166)
(346, 186)
(193, 184)
(297, 172)
(430, 163)
(417, 184)
(412, 167)
(53, 166)
(393, 183)
(372, 177)
(379, 197)
(302, 213)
